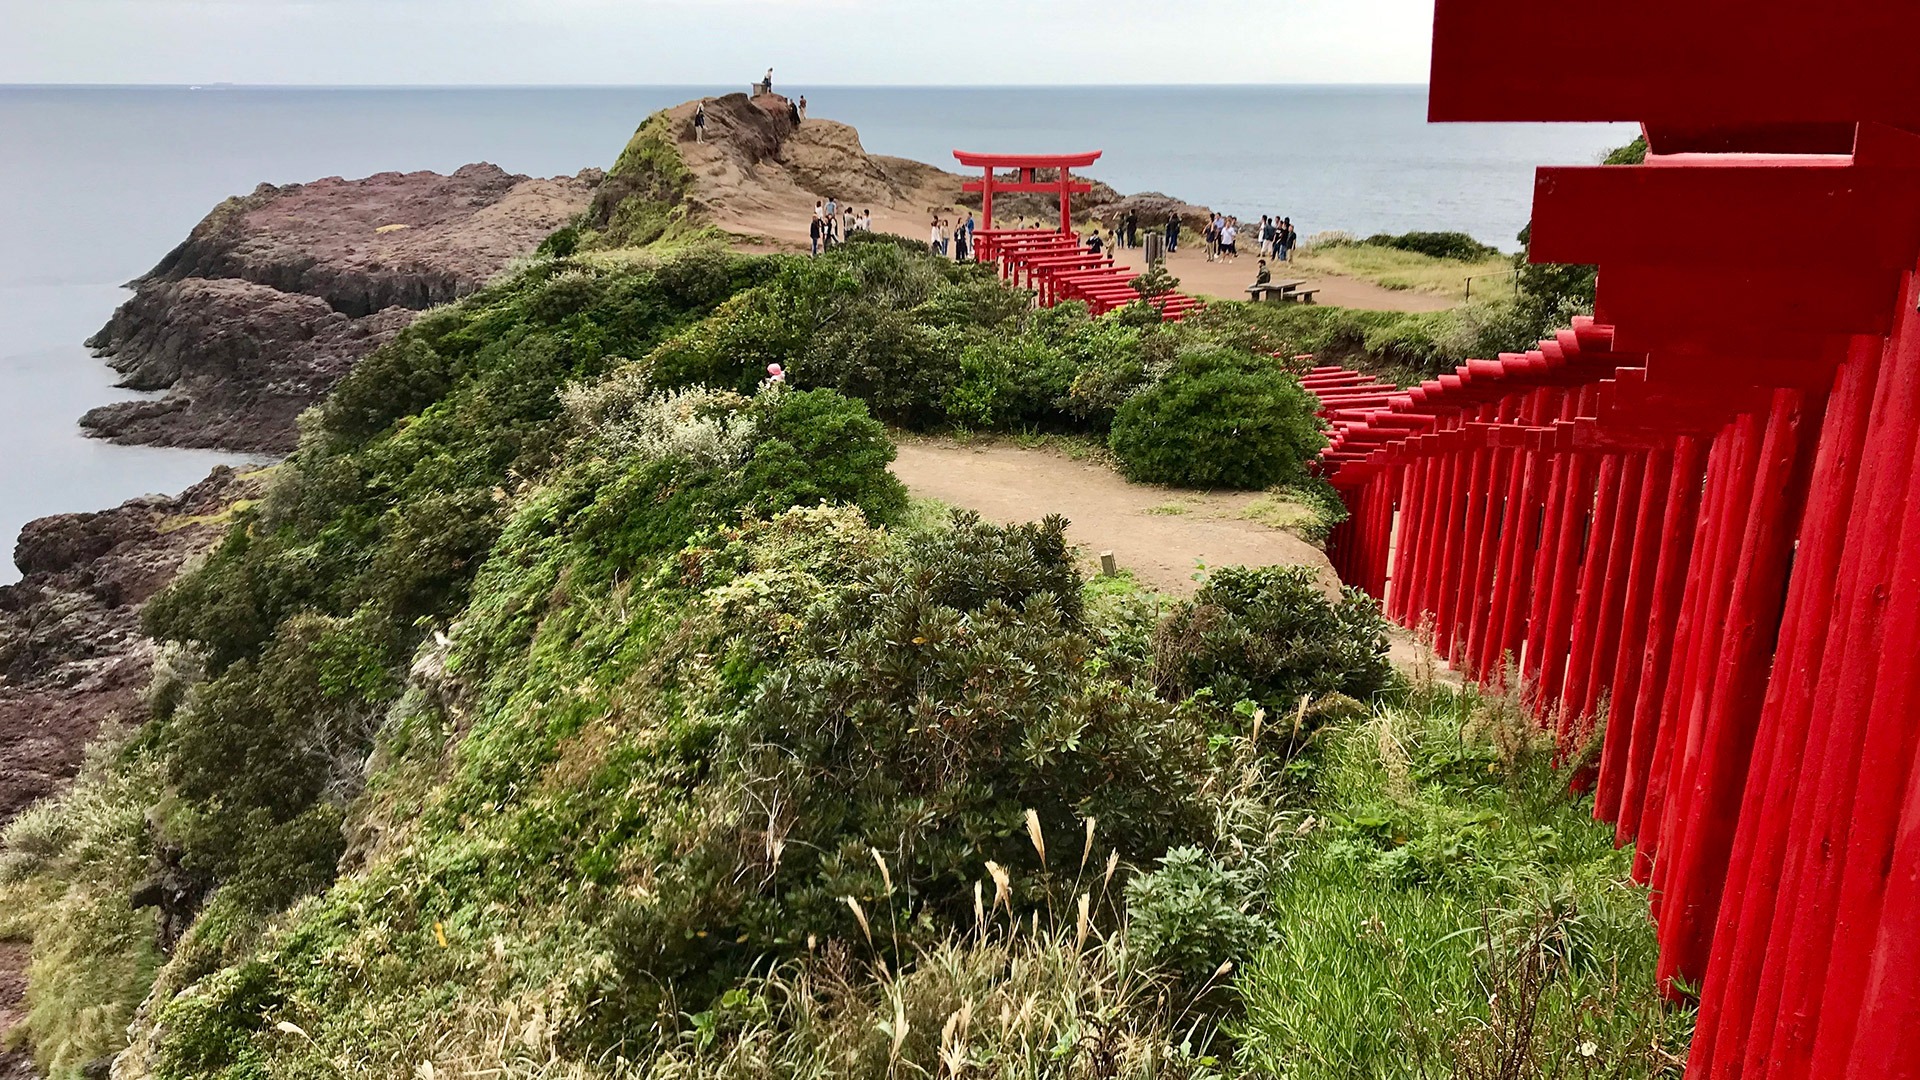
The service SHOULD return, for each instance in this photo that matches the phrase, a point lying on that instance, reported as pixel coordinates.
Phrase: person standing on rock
(700, 122)
(767, 86)
(803, 106)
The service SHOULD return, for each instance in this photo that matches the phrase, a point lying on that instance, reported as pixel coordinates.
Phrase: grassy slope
(1395, 269)
(1445, 893)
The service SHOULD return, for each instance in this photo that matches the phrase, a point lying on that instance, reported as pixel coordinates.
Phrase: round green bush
(1271, 635)
(1220, 419)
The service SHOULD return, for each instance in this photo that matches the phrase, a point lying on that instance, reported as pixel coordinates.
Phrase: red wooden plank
(1701, 61)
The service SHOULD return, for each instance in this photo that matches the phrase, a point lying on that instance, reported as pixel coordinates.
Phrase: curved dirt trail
(1162, 535)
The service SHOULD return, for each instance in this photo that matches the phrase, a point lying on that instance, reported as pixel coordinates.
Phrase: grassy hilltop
(577, 704)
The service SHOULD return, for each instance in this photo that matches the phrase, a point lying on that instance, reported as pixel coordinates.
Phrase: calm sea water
(97, 184)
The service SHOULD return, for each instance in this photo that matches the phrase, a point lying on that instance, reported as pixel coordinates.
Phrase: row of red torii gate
(1054, 263)
(1692, 524)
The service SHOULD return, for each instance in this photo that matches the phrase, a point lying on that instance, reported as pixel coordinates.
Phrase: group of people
(1276, 236)
(833, 223)
(952, 237)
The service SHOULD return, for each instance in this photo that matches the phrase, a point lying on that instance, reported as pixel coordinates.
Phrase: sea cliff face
(72, 656)
(275, 295)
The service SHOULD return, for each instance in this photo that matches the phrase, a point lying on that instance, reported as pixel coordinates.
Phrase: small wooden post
(1108, 567)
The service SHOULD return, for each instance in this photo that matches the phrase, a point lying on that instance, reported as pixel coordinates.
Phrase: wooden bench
(1304, 296)
(1274, 291)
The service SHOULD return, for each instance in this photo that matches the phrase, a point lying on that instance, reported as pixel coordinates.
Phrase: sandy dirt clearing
(1162, 535)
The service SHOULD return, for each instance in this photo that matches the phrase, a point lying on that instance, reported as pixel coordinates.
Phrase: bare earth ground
(1228, 280)
(1162, 535)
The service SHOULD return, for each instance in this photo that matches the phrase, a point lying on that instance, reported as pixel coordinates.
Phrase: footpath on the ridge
(1164, 536)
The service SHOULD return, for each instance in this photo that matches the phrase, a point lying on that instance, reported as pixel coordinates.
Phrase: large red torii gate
(1026, 165)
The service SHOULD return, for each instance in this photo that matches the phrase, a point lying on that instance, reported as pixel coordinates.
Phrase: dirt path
(1162, 535)
(1228, 280)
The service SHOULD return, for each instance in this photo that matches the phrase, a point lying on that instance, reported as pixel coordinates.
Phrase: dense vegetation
(581, 702)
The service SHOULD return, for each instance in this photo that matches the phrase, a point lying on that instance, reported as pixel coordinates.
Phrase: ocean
(96, 184)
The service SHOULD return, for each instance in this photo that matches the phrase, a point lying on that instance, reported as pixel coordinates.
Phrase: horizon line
(815, 87)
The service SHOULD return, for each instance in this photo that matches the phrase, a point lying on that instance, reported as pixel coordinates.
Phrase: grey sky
(714, 42)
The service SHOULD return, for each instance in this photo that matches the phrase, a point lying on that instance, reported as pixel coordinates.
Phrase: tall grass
(1409, 271)
(1451, 911)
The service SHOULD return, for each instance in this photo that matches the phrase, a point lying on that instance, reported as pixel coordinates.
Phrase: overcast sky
(714, 42)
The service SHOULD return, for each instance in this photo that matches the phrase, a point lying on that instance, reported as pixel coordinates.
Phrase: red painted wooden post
(1678, 533)
(1546, 562)
(1463, 546)
(1888, 1025)
(1643, 540)
(1570, 548)
(1478, 604)
(1661, 686)
(1848, 694)
(1614, 580)
(1860, 933)
(1442, 485)
(1695, 688)
(1507, 631)
(1793, 982)
(1742, 658)
(1726, 1008)
(1583, 640)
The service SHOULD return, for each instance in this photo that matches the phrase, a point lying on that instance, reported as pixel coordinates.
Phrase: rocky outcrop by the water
(71, 652)
(275, 295)
(1153, 209)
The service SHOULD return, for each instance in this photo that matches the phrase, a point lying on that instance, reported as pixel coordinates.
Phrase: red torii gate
(1026, 165)
(1703, 509)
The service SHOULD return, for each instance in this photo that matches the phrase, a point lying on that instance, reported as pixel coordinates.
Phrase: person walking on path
(937, 240)
(1229, 240)
(1173, 234)
(814, 233)
(700, 122)
(1284, 240)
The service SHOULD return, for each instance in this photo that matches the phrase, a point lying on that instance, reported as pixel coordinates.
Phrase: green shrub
(1271, 635)
(1191, 915)
(815, 446)
(1006, 381)
(1219, 419)
(1438, 245)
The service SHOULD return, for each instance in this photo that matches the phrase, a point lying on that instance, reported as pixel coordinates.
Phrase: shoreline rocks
(275, 295)
(72, 654)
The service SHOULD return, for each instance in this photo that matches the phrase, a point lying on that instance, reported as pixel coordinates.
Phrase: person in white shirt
(938, 245)
(1228, 238)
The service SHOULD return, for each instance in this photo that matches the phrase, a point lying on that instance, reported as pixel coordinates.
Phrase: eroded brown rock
(275, 295)
(71, 652)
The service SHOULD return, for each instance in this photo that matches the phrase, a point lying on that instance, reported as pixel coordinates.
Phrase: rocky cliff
(72, 656)
(276, 294)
